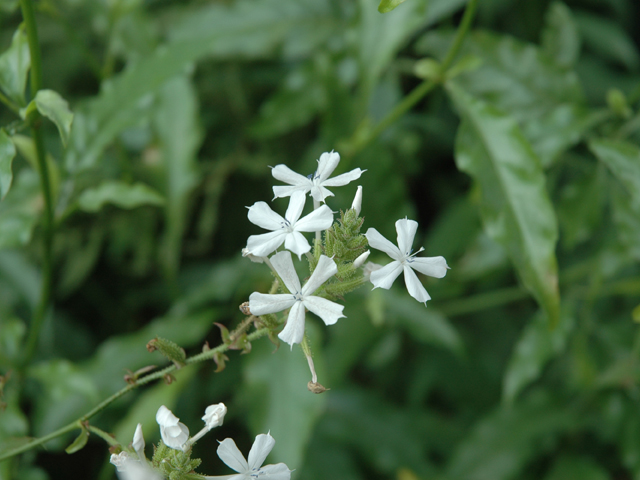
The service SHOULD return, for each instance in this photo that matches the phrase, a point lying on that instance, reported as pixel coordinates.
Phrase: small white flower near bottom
(130, 468)
(299, 298)
(251, 469)
(404, 261)
(174, 433)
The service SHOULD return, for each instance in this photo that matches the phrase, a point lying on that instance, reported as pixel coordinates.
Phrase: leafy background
(523, 170)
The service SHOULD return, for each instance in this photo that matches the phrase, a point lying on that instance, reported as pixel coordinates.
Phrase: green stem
(9, 103)
(421, 90)
(141, 381)
(103, 435)
(45, 186)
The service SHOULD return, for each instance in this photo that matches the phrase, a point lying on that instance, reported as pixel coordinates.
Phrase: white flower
(253, 258)
(361, 259)
(404, 260)
(286, 230)
(252, 469)
(357, 200)
(174, 434)
(130, 468)
(299, 298)
(315, 183)
(214, 415)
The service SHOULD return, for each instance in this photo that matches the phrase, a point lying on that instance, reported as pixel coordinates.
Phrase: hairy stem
(209, 354)
(45, 186)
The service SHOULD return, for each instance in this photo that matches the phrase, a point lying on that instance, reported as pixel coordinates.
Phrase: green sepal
(175, 464)
(79, 442)
(169, 349)
(221, 361)
(224, 333)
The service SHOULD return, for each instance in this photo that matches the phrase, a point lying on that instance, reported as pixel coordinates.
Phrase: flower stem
(420, 91)
(45, 185)
(141, 381)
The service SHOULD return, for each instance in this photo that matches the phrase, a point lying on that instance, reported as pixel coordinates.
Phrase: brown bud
(169, 379)
(315, 387)
(244, 308)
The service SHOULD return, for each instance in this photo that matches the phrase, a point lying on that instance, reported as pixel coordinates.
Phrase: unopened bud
(361, 259)
(357, 200)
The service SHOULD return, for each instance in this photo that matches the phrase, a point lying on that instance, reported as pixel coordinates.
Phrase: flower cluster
(172, 457)
(333, 262)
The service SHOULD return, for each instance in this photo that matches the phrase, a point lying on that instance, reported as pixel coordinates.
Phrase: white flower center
(286, 226)
(298, 297)
(408, 257)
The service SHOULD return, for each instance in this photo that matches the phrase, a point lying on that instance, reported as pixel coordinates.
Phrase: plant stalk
(45, 186)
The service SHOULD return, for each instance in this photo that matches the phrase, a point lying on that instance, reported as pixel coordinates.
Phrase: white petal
(296, 204)
(138, 441)
(231, 456)
(345, 178)
(175, 436)
(165, 417)
(283, 264)
(262, 303)
(432, 266)
(325, 269)
(406, 233)
(385, 276)
(357, 200)
(320, 219)
(326, 165)
(358, 262)
(275, 472)
(377, 241)
(293, 331)
(296, 243)
(319, 193)
(287, 191)
(286, 175)
(261, 214)
(327, 310)
(265, 243)
(415, 288)
(261, 447)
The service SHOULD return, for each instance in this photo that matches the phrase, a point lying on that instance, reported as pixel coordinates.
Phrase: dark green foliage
(521, 165)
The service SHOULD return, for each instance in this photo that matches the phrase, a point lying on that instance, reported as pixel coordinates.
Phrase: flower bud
(214, 415)
(174, 434)
(138, 442)
(361, 259)
(357, 200)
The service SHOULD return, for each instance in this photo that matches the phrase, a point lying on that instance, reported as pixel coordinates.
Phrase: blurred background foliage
(523, 171)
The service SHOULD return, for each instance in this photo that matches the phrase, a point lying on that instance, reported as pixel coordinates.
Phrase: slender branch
(9, 103)
(103, 435)
(45, 186)
(421, 90)
(141, 381)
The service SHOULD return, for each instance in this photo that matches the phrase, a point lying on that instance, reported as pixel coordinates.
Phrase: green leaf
(20, 210)
(426, 325)
(518, 78)
(608, 39)
(7, 153)
(14, 66)
(275, 387)
(388, 5)
(623, 159)
(180, 136)
(536, 346)
(560, 37)
(27, 148)
(55, 108)
(584, 468)
(626, 215)
(247, 28)
(500, 445)
(120, 194)
(79, 443)
(12, 331)
(515, 207)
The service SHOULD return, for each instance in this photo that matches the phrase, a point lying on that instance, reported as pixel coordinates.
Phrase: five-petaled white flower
(404, 260)
(299, 298)
(286, 230)
(174, 433)
(315, 183)
(252, 469)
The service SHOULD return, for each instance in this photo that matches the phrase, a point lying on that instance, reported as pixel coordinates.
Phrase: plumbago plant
(503, 136)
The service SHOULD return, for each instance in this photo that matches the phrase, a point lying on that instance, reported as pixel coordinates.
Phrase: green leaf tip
(55, 108)
(388, 5)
